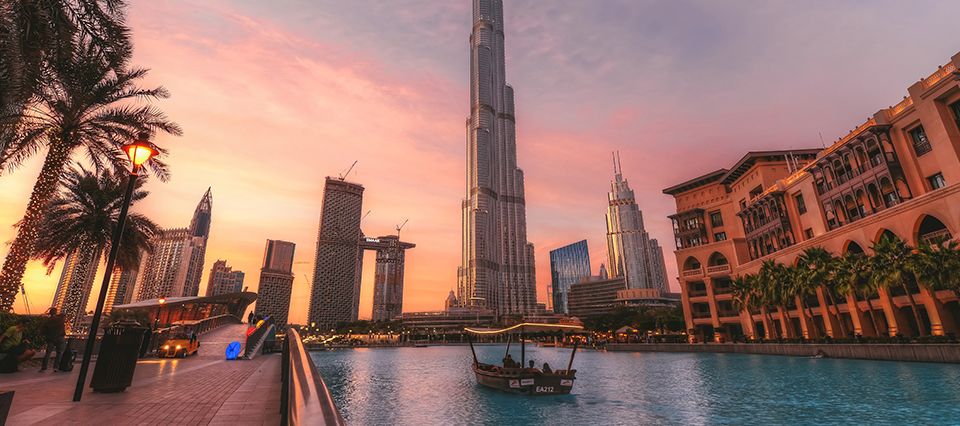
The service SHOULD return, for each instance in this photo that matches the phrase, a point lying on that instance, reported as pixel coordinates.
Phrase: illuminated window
(808, 233)
(719, 236)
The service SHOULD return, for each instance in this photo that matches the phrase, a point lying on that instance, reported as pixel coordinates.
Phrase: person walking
(54, 331)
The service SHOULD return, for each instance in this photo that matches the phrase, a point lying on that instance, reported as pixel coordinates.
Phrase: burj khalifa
(497, 263)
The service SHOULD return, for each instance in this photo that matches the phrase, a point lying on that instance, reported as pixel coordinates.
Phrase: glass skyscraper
(568, 265)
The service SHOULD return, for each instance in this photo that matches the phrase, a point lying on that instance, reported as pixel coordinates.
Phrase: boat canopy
(525, 327)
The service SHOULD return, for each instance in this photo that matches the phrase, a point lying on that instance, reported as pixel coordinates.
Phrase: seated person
(508, 362)
(532, 365)
(547, 369)
(14, 347)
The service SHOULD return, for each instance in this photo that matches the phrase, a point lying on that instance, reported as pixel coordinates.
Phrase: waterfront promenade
(202, 389)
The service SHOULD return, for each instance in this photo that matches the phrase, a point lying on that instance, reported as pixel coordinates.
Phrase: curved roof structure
(245, 297)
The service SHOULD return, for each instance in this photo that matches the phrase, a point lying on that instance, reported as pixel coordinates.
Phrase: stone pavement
(198, 390)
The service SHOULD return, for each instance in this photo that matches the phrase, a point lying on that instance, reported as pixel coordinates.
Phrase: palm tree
(937, 266)
(851, 275)
(80, 221)
(800, 286)
(819, 265)
(890, 263)
(89, 104)
(35, 32)
(773, 280)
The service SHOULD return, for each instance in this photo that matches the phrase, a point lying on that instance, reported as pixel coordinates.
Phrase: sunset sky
(273, 96)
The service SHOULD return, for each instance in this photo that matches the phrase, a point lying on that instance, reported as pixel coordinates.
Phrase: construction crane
(400, 226)
(365, 215)
(343, 176)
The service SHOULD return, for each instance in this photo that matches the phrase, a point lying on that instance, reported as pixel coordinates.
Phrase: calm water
(434, 386)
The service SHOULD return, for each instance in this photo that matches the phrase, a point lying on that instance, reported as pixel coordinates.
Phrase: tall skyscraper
(497, 265)
(73, 289)
(122, 282)
(276, 281)
(388, 278)
(223, 279)
(568, 265)
(335, 293)
(630, 252)
(175, 266)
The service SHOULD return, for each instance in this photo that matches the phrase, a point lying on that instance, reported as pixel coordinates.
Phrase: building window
(808, 233)
(720, 236)
(743, 205)
(921, 145)
(801, 205)
(937, 181)
(716, 219)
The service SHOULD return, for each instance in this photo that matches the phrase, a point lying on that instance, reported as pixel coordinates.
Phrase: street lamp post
(138, 152)
(160, 303)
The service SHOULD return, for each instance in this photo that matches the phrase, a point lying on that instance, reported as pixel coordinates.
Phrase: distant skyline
(275, 96)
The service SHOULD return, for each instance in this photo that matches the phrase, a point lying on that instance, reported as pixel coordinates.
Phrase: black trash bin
(117, 359)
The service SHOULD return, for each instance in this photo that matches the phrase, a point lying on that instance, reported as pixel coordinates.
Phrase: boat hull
(526, 383)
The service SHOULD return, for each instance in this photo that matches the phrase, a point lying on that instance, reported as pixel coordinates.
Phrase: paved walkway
(198, 390)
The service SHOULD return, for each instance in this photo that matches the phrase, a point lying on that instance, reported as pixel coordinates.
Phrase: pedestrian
(145, 343)
(14, 348)
(54, 331)
(250, 318)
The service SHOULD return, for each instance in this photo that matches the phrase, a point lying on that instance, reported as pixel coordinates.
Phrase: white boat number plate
(544, 389)
(526, 382)
(514, 383)
(566, 382)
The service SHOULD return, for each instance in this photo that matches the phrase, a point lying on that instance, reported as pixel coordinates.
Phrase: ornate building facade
(896, 174)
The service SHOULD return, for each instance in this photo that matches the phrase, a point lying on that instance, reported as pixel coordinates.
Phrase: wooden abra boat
(515, 378)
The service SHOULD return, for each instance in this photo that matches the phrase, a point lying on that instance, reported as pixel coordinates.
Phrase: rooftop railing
(304, 397)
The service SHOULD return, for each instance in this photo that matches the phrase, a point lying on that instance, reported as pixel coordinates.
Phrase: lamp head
(140, 151)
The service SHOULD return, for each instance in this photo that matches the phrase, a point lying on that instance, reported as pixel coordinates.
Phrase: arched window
(853, 247)
(931, 230)
(691, 263)
(717, 259)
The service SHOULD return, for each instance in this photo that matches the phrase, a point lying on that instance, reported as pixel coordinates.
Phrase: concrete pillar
(687, 309)
(861, 324)
(831, 319)
(714, 314)
(894, 318)
(806, 324)
(941, 322)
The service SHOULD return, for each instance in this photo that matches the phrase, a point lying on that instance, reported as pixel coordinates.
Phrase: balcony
(718, 269)
(692, 273)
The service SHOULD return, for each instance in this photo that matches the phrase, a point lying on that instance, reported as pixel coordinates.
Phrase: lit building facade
(595, 296)
(276, 281)
(497, 263)
(73, 289)
(223, 279)
(120, 292)
(175, 266)
(568, 265)
(335, 293)
(895, 174)
(630, 251)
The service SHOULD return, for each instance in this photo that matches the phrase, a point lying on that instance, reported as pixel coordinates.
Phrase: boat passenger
(532, 365)
(546, 369)
(508, 362)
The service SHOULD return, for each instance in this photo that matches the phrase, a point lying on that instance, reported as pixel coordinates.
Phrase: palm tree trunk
(921, 329)
(22, 247)
(873, 318)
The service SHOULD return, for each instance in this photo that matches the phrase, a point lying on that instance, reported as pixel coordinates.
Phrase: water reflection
(434, 385)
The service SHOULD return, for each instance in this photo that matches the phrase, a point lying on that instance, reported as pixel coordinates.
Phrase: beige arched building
(898, 172)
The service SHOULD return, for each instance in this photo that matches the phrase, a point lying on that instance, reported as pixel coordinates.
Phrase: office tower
(276, 281)
(335, 293)
(628, 244)
(120, 292)
(568, 265)
(223, 279)
(388, 278)
(174, 267)
(497, 266)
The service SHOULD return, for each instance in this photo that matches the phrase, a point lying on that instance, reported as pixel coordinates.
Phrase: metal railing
(304, 397)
